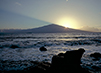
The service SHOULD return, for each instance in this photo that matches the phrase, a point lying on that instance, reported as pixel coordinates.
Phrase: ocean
(28, 44)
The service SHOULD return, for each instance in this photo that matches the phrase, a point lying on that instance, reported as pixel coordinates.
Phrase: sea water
(29, 44)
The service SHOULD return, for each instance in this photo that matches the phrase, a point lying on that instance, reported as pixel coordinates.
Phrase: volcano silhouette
(52, 28)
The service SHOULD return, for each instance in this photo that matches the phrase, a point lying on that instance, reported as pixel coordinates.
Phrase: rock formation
(14, 46)
(68, 62)
(43, 48)
(96, 55)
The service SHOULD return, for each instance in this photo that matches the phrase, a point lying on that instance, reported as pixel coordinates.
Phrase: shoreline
(35, 64)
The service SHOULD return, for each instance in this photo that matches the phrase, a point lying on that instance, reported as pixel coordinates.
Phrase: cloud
(88, 28)
(18, 3)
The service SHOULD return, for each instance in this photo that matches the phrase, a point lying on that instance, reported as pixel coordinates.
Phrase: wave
(14, 37)
(39, 43)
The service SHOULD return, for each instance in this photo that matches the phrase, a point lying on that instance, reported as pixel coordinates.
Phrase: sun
(65, 22)
(68, 22)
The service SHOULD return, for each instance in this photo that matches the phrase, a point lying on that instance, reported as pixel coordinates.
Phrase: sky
(25, 14)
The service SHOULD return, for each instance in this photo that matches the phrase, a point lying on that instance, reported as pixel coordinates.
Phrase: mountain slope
(53, 28)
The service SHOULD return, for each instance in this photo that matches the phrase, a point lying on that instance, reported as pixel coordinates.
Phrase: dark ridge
(52, 28)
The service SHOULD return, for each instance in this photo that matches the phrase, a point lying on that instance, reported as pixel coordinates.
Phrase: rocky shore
(68, 62)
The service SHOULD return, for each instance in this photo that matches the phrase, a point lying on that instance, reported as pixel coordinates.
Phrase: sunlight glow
(68, 22)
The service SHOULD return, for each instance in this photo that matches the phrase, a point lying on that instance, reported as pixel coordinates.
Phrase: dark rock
(61, 54)
(74, 56)
(95, 68)
(57, 60)
(1, 46)
(43, 49)
(40, 67)
(68, 62)
(14, 46)
(96, 55)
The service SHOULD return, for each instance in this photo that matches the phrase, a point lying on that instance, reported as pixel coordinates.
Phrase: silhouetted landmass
(43, 48)
(96, 55)
(53, 28)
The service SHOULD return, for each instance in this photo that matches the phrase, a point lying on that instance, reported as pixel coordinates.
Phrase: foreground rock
(43, 48)
(68, 62)
(40, 67)
(96, 55)
(14, 46)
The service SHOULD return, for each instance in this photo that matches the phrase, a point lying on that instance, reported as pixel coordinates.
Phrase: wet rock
(57, 60)
(61, 54)
(14, 46)
(74, 56)
(39, 67)
(43, 48)
(95, 68)
(1, 46)
(96, 55)
(68, 62)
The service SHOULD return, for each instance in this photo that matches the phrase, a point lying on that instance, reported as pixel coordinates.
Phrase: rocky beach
(63, 62)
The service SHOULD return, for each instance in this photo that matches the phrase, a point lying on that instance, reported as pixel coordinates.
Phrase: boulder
(70, 57)
(38, 68)
(57, 60)
(14, 46)
(95, 55)
(74, 56)
(61, 54)
(68, 62)
(43, 48)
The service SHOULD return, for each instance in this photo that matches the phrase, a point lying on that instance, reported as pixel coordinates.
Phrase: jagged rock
(70, 57)
(40, 67)
(14, 46)
(68, 62)
(43, 48)
(61, 54)
(74, 56)
(96, 55)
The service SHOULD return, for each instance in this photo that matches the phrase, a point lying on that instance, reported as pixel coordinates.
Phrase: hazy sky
(23, 14)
